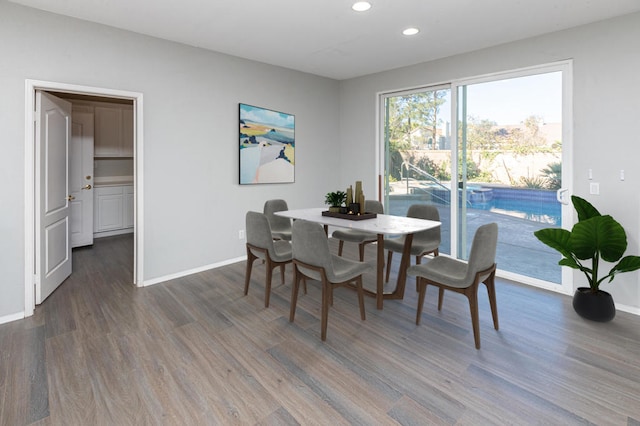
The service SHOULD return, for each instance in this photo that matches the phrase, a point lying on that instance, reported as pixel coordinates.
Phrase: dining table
(382, 225)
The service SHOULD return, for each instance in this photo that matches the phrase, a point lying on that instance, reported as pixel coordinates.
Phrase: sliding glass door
(417, 138)
(505, 161)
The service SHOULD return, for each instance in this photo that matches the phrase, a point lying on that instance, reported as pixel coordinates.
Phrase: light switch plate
(594, 188)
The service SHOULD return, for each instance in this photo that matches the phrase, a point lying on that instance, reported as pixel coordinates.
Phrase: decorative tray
(348, 216)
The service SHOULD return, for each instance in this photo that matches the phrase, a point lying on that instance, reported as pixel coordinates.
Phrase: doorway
(32, 236)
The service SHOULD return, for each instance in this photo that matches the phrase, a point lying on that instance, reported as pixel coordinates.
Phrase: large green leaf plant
(593, 237)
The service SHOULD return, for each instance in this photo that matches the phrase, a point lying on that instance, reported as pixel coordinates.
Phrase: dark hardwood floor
(195, 351)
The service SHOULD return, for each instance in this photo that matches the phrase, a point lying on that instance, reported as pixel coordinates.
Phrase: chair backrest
(259, 231)
(373, 206)
(483, 249)
(428, 212)
(310, 244)
(278, 223)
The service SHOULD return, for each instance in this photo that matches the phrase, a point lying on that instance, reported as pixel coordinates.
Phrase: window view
(509, 164)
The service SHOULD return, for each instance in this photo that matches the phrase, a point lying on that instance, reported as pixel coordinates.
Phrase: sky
(512, 100)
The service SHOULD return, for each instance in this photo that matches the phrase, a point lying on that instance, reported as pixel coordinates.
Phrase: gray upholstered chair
(261, 245)
(451, 274)
(313, 259)
(423, 243)
(280, 226)
(355, 235)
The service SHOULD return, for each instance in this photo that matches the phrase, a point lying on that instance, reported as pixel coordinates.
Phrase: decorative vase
(333, 209)
(594, 306)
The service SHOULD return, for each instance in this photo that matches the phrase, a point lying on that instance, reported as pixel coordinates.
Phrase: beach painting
(267, 146)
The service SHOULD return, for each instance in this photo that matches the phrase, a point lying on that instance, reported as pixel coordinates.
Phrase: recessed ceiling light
(410, 31)
(361, 6)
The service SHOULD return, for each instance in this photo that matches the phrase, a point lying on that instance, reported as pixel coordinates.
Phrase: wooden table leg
(405, 262)
(398, 293)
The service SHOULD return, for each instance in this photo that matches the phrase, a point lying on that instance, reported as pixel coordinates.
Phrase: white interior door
(81, 179)
(53, 248)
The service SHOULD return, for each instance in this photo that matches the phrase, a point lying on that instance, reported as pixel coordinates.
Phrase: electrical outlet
(241, 234)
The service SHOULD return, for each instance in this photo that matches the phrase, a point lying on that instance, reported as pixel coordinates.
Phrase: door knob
(87, 186)
(70, 197)
(560, 196)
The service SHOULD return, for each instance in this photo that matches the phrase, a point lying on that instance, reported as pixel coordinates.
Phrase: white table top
(382, 224)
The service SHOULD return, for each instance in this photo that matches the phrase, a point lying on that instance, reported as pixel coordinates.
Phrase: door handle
(560, 196)
(87, 186)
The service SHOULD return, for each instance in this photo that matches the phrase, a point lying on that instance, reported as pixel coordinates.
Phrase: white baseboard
(112, 233)
(628, 309)
(191, 271)
(12, 317)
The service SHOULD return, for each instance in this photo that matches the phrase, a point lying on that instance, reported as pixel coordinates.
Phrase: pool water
(542, 211)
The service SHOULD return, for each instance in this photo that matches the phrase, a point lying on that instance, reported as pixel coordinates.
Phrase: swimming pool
(536, 205)
(542, 211)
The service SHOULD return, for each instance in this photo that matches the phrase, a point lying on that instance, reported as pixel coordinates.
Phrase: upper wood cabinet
(113, 131)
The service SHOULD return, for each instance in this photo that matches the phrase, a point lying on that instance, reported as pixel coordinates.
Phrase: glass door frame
(381, 158)
(566, 67)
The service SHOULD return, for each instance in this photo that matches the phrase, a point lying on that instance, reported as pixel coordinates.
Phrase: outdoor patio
(519, 251)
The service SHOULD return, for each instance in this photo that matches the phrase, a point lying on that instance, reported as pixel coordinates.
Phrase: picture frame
(266, 146)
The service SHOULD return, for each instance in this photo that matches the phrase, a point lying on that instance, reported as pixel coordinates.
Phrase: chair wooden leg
(267, 287)
(294, 293)
(247, 276)
(440, 297)
(330, 290)
(472, 295)
(389, 257)
(491, 291)
(361, 251)
(340, 247)
(361, 297)
(325, 310)
(418, 261)
(421, 294)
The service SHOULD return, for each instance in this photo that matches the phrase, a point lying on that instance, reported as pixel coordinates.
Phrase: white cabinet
(113, 210)
(127, 206)
(113, 131)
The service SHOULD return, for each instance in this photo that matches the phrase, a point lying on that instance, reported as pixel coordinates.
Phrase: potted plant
(335, 200)
(592, 238)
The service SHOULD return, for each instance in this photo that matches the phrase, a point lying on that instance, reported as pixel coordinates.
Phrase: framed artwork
(267, 146)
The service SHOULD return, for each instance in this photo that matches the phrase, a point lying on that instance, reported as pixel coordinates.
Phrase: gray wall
(194, 206)
(606, 107)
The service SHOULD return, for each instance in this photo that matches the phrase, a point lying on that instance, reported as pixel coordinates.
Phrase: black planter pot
(596, 306)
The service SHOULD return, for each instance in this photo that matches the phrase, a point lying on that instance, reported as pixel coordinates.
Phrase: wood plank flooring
(196, 351)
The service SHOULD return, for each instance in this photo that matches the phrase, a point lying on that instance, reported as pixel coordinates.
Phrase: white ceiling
(325, 37)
